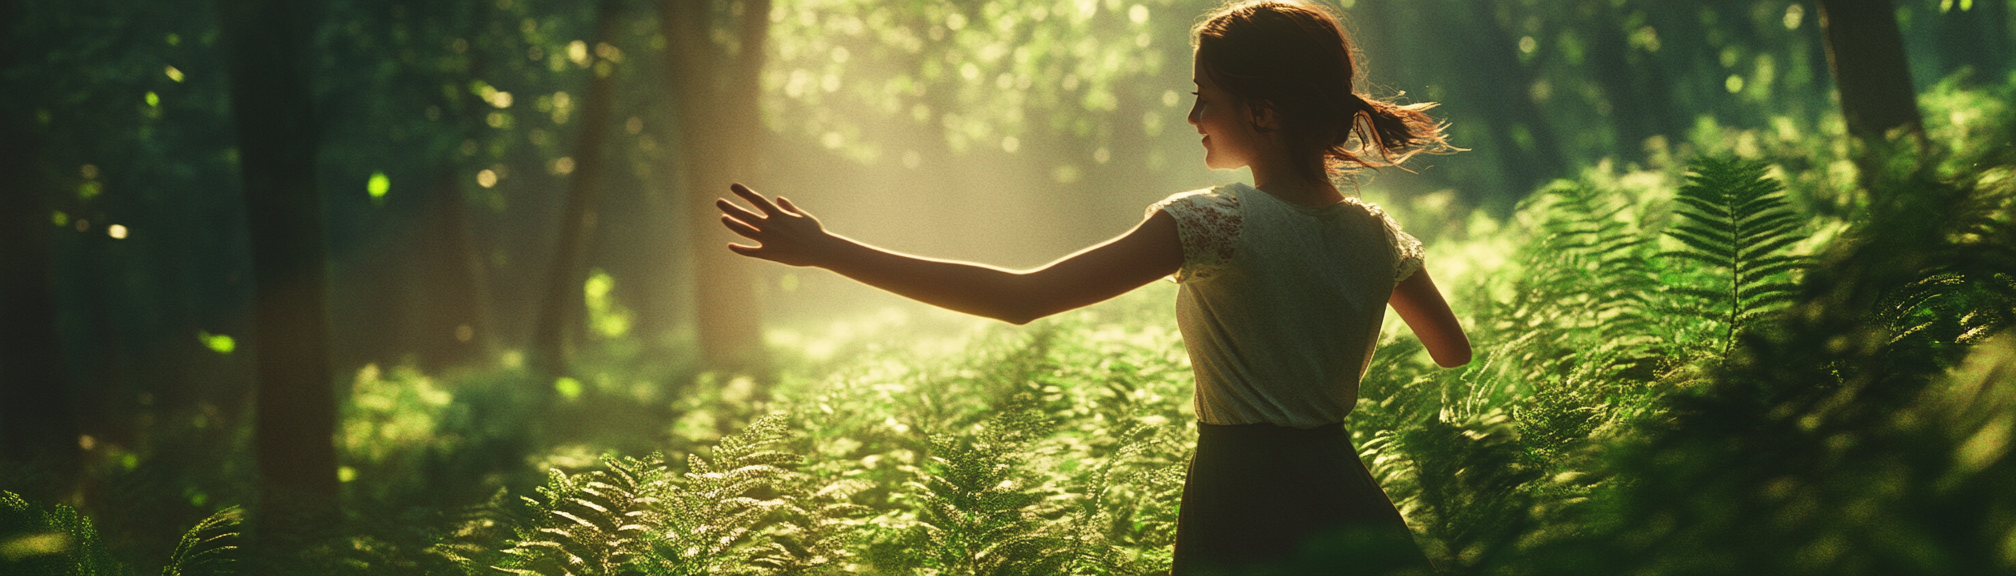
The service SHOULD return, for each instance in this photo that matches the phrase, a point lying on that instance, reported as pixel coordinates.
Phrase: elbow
(1452, 358)
(1021, 305)
(1453, 361)
(1018, 316)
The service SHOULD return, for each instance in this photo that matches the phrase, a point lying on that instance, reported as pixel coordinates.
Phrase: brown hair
(1294, 59)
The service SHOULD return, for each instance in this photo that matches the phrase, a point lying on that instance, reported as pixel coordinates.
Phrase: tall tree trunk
(715, 103)
(1634, 82)
(38, 419)
(1866, 53)
(1500, 85)
(267, 42)
(462, 320)
(560, 310)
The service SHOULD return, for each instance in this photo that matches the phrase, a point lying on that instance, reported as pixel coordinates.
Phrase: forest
(430, 287)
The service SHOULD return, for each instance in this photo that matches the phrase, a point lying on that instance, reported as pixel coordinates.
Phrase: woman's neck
(1281, 181)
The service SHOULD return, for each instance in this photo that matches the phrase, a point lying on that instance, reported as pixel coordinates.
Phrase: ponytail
(1382, 133)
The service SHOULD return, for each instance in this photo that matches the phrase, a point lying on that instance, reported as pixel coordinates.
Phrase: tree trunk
(295, 411)
(1501, 85)
(560, 310)
(1866, 53)
(715, 103)
(462, 321)
(38, 420)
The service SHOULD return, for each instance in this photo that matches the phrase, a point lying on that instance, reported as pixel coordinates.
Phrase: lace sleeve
(1407, 251)
(1208, 223)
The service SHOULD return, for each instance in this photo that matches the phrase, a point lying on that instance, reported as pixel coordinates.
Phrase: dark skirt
(1265, 499)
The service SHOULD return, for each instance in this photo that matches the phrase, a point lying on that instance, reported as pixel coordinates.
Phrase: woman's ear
(1265, 120)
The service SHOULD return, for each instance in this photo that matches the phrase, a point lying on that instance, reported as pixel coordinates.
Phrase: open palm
(783, 233)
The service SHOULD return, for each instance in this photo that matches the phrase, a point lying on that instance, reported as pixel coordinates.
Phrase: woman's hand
(783, 233)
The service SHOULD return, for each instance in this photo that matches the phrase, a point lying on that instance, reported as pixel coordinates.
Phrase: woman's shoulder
(1223, 198)
(1221, 193)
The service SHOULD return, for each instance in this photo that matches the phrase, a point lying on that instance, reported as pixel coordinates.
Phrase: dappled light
(1738, 297)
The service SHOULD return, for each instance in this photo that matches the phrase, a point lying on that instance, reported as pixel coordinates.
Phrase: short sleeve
(1407, 251)
(1208, 224)
(1407, 255)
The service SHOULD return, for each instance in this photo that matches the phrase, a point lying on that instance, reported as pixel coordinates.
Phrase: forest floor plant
(1717, 369)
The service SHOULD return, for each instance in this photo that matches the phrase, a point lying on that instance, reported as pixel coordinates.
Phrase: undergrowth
(1702, 376)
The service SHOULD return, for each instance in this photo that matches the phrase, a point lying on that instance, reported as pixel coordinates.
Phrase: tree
(560, 309)
(1866, 52)
(295, 412)
(37, 415)
(714, 90)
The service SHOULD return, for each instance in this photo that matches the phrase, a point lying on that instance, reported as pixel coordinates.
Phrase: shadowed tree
(295, 412)
(1866, 52)
(37, 416)
(713, 85)
(560, 309)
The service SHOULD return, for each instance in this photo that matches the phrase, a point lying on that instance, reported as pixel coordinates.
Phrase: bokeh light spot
(378, 185)
(219, 343)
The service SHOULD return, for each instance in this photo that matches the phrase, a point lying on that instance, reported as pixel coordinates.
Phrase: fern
(204, 548)
(707, 519)
(1588, 275)
(976, 513)
(1734, 220)
(636, 515)
(56, 541)
(586, 524)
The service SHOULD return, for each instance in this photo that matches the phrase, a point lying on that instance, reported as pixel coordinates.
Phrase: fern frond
(205, 544)
(1735, 222)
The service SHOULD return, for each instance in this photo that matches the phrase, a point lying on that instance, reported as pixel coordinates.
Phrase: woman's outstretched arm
(1424, 310)
(788, 235)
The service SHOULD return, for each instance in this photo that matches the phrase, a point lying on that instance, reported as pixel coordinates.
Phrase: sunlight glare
(486, 179)
(35, 545)
(577, 52)
(174, 74)
(116, 231)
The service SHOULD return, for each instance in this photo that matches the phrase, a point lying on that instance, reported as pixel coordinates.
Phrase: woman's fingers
(754, 199)
(737, 212)
(786, 204)
(741, 228)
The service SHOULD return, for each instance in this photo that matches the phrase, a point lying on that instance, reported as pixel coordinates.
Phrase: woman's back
(1281, 303)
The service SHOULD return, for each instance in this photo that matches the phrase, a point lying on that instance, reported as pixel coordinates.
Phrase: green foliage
(977, 513)
(1734, 221)
(60, 541)
(639, 515)
(206, 548)
(56, 540)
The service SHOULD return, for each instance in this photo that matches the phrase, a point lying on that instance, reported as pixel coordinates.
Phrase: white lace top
(1280, 303)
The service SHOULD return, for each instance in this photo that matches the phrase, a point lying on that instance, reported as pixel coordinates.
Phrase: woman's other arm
(1424, 310)
(788, 235)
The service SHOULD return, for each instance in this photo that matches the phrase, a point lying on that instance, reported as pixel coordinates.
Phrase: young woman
(1283, 286)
